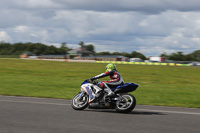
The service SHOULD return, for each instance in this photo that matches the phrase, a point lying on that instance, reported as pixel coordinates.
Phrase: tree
(90, 48)
(126, 54)
(116, 53)
(63, 49)
(164, 55)
(196, 55)
(136, 54)
(189, 57)
(5, 48)
(104, 53)
(81, 44)
(18, 48)
(177, 56)
(64, 45)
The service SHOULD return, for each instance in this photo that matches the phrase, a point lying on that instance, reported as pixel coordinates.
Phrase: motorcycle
(122, 102)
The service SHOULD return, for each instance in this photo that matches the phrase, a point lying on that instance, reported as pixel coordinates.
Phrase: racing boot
(98, 91)
(97, 94)
(109, 91)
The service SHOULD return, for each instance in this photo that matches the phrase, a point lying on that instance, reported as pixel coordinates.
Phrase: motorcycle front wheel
(126, 103)
(80, 101)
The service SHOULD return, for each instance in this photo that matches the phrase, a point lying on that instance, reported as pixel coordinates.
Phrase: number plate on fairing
(88, 90)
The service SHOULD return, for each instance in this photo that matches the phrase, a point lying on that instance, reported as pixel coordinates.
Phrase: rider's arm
(102, 75)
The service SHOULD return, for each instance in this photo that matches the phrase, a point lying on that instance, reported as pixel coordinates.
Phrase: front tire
(126, 104)
(80, 101)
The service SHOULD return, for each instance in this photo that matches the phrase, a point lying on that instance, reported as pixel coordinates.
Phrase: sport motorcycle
(121, 101)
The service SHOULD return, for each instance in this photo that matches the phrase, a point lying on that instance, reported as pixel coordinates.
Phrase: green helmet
(110, 67)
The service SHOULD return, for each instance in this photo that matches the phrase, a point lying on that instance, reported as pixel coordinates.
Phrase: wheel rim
(125, 102)
(79, 102)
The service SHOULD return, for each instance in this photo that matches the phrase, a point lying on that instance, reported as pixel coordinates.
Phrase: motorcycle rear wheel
(80, 102)
(126, 104)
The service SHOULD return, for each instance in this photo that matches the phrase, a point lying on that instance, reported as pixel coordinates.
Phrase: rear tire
(127, 104)
(80, 102)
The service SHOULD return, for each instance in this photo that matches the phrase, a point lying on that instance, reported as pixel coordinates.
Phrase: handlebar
(92, 81)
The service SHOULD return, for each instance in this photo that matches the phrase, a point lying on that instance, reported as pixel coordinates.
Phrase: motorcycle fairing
(88, 90)
(127, 87)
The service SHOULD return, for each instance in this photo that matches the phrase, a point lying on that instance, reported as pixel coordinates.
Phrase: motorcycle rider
(115, 79)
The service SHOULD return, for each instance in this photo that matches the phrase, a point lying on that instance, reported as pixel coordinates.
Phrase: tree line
(42, 49)
(33, 48)
(133, 54)
(179, 56)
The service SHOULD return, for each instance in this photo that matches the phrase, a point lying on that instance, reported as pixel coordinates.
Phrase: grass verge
(158, 85)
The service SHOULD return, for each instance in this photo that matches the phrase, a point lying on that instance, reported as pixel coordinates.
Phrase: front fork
(82, 93)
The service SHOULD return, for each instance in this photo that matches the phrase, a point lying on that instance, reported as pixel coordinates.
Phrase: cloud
(4, 36)
(146, 6)
(28, 4)
(149, 26)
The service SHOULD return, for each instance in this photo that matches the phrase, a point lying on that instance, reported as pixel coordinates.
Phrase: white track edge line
(62, 104)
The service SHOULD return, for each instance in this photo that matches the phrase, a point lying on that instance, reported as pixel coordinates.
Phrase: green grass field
(158, 85)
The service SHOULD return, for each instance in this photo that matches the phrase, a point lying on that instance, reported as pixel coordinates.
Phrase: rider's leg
(108, 90)
(98, 90)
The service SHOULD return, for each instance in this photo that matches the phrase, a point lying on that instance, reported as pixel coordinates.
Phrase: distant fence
(144, 63)
(115, 62)
(88, 61)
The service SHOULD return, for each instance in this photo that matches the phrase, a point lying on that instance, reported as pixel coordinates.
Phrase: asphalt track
(43, 115)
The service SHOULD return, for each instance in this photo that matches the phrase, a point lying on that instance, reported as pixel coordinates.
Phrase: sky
(151, 27)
